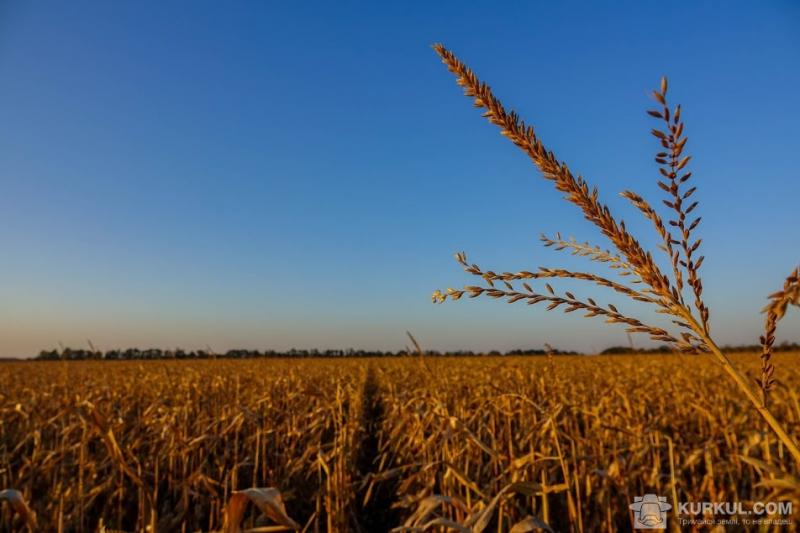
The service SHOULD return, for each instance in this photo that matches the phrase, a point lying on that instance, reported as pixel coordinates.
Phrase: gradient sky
(275, 175)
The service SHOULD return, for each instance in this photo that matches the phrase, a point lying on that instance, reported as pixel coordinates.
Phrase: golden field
(436, 444)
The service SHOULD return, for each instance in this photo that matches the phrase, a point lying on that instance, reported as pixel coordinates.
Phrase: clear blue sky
(269, 175)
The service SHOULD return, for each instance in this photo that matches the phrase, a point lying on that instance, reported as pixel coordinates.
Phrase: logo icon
(650, 511)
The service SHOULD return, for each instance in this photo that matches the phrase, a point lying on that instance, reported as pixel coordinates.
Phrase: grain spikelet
(775, 310)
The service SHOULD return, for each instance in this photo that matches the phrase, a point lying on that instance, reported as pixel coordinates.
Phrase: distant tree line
(783, 347)
(157, 353)
(618, 350)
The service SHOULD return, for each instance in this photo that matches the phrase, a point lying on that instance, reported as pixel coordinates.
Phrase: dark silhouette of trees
(134, 354)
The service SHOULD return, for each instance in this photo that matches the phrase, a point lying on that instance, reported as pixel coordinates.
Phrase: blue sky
(270, 175)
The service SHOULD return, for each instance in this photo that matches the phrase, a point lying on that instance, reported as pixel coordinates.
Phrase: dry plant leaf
(530, 523)
(19, 506)
(268, 500)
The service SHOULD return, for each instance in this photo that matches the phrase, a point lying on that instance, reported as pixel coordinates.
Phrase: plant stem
(741, 381)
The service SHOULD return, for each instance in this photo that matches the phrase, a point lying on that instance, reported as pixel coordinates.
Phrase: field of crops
(441, 444)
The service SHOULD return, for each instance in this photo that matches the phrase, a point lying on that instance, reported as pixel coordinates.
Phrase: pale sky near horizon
(275, 175)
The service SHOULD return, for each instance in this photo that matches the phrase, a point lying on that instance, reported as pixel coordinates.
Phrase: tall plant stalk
(690, 330)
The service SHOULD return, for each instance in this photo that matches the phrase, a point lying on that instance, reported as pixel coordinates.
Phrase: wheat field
(435, 444)
(270, 176)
